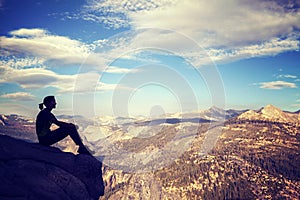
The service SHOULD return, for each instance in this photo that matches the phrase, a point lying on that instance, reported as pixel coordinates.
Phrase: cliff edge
(33, 171)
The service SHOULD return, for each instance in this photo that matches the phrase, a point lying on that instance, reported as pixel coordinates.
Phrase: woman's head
(49, 102)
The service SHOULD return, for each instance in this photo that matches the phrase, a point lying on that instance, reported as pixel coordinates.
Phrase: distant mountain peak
(270, 107)
(269, 113)
(215, 108)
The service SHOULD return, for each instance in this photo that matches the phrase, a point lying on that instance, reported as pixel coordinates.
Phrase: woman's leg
(53, 136)
(59, 134)
(73, 133)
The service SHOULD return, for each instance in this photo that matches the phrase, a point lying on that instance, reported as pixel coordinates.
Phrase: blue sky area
(141, 57)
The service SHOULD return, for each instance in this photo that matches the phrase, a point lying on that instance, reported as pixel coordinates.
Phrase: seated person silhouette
(44, 120)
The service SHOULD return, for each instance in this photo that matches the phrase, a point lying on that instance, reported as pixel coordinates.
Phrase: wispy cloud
(23, 62)
(228, 30)
(33, 78)
(287, 76)
(118, 70)
(271, 47)
(19, 96)
(277, 85)
(116, 14)
(36, 78)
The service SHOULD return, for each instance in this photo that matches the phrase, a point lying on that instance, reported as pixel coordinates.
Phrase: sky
(148, 57)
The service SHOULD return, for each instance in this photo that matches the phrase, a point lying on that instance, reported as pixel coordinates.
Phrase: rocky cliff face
(33, 171)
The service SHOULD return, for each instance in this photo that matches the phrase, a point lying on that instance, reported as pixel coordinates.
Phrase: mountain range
(213, 154)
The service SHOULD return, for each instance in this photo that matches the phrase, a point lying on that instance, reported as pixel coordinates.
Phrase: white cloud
(118, 70)
(19, 96)
(228, 30)
(24, 32)
(39, 43)
(33, 78)
(38, 48)
(221, 23)
(276, 85)
(36, 78)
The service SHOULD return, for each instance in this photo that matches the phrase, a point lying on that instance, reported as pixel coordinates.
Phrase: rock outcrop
(33, 171)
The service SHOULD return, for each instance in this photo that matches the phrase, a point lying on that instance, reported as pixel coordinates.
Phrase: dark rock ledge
(33, 171)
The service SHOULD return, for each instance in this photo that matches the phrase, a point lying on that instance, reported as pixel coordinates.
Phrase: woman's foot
(83, 150)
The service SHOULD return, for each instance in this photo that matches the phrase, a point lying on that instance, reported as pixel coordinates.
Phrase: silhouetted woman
(44, 120)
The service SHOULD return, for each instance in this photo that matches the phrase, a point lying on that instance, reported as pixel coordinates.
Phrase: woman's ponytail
(41, 106)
